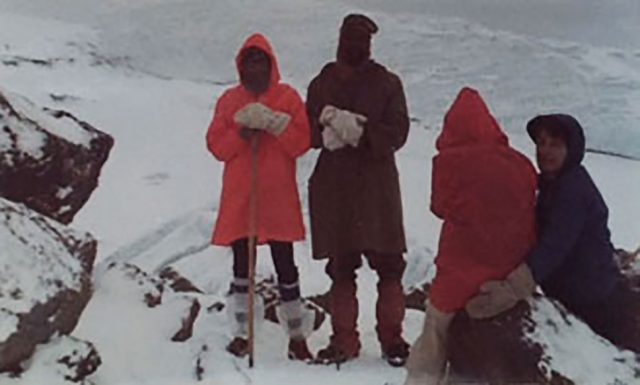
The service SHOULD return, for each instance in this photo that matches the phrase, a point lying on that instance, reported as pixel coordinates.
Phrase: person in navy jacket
(573, 259)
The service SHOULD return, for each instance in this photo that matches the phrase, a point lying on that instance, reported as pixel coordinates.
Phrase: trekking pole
(253, 234)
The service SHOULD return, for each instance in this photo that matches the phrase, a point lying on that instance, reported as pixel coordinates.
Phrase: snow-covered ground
(148, 72)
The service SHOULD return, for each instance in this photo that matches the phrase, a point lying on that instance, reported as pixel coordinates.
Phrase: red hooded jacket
(279, 212)
(485, 192)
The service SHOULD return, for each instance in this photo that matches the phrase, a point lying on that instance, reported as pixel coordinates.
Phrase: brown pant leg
(390, 307)
(344, 303)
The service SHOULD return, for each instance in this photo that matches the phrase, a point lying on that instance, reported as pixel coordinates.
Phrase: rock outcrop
(45, 280)
(49, 160)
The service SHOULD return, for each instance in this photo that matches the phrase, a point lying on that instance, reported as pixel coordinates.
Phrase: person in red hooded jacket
(261, 109)
(485, 192)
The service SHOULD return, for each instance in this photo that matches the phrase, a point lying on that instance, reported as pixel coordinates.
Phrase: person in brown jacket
(358, 117)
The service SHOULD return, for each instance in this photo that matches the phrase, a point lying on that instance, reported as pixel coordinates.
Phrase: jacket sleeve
(443, 187)
(314, 108)
(223, 138)
(438, 205)
(565, 223)
(383, 138)
(296, 136)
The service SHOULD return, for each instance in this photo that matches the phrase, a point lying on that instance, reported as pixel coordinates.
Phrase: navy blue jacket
(573, 258)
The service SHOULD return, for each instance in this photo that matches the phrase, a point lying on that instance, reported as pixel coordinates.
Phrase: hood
(469, 122)
(258, 40)
(573, 130)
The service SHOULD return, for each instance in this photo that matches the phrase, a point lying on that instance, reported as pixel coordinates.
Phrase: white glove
(253, 115)
(331, 140)
(348, 125)
(257, 116)
(327, 114)
(496, 297)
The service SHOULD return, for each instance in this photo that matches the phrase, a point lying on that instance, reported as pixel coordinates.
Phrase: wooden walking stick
(253, 238)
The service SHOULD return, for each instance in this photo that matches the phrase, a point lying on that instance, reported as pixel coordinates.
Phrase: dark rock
(416, 298)
(521, 346)
(80, 362)
(49, 160)
(201, 356)
(155, 292)
(496, 350)
(63, 360)
(216, 306)
(177, 282)
(268, 290)
(150, 287)
(45, 280)
(323, 301)
(186, 331)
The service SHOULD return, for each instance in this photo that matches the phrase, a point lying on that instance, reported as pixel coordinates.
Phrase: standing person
(484, 191)
(261, 109)
(573, 260)
(358, 117)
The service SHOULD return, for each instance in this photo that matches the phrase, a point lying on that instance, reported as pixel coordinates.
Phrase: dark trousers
(617, 318)
(286, 269)
(344, 302)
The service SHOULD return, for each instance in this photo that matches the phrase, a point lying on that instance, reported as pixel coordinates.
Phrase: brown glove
(498, 296)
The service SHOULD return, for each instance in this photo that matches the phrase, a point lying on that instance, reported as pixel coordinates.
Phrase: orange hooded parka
(279, 215)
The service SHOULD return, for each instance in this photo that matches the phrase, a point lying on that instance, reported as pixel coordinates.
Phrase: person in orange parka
(264, 109)
(485, 192)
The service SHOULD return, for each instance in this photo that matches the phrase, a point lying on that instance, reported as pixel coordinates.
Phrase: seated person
(573, 260)
(484, 190)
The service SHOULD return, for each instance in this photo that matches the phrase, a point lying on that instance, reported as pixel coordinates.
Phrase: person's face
(255, 71)
(353, 47)
(551, 153)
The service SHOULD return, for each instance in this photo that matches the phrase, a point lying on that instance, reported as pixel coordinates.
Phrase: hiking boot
(396, 355)
(334, 355)
(298, 350)
(239, 347)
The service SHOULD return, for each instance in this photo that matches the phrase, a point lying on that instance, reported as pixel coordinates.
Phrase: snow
(8, 324)
(64, 192)
(28, 281)
(148, 73)
(130, 349)
(569, 338)
(29, 125)
(64, 127)
(46, 369)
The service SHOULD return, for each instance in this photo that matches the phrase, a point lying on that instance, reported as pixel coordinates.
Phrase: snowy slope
(148, 72)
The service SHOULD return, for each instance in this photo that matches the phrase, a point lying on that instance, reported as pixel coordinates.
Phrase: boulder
(45, 281)
(156, 292)
(536, 342)
(66, 358)
(49, 160)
